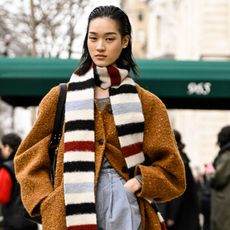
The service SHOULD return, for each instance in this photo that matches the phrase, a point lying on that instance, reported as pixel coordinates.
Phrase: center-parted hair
(125, 60)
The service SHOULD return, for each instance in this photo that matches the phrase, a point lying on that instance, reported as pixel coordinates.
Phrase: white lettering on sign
(200, 88)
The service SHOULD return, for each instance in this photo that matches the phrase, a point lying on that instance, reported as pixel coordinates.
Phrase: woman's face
(104, 41)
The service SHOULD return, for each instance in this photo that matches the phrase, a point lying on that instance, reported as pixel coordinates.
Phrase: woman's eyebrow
(108, 33)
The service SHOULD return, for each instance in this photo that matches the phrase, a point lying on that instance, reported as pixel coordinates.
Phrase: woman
(117, 149)
(220, 183)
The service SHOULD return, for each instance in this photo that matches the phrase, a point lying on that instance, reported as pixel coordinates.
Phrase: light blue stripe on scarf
(79, 187)
(126, 108)
(79, 105)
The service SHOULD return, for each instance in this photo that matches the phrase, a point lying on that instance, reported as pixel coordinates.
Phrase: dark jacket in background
(220, 196)
(184, 210)
(205, 201)
(13, 214)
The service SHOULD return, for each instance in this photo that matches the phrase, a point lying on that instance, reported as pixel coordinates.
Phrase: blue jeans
(116, 207)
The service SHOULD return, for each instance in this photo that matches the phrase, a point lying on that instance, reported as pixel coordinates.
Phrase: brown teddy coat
(163, 179)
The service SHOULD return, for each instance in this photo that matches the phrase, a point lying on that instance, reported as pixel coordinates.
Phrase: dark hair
(179, 142)
(125, 60)
(223, 136)
(13, 140)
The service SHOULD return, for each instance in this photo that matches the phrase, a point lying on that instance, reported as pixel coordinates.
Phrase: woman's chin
(102, 63)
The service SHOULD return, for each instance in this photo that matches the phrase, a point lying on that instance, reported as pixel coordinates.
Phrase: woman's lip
(100, 56)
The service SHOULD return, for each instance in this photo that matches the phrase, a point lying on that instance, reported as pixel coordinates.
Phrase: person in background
(218, 176)
(118, 150)
(12, 208)
(183, 212)
(1, 217)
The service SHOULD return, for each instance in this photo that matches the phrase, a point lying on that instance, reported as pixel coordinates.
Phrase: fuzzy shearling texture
(163, 179)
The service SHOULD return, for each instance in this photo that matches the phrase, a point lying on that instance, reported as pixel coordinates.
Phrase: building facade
(185, 30)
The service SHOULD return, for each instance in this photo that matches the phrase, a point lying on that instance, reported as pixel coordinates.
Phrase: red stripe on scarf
(83, 227)
(114, 75)
(132, 149)
(79, 146)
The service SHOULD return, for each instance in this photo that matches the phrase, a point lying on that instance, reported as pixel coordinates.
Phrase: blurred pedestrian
(117, 149)
(12, 208)
(219, 178)
(1, 217)
(182, 213)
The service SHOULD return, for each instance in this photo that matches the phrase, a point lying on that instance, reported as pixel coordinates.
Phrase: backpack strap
(54, 143)
(57, 130)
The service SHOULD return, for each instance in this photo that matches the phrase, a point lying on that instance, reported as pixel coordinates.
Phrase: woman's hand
(209, 169)
(132, 185)
(170, 222)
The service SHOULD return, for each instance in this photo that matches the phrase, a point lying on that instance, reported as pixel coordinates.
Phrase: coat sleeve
(32, 158)
(220, 178)
(163, 175)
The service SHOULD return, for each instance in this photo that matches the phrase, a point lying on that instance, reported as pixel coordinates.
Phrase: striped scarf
(79, 138)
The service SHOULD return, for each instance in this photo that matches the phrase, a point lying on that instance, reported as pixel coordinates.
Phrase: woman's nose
(100, 46)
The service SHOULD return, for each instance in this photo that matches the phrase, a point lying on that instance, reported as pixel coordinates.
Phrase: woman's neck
(100, 93)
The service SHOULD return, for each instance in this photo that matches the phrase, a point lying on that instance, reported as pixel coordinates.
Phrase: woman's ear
(125, 41)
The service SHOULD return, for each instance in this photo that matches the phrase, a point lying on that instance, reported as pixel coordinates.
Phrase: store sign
(199, 88)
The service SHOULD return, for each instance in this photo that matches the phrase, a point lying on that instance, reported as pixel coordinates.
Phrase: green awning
(33, 76)
(193, 82)
(187, 79)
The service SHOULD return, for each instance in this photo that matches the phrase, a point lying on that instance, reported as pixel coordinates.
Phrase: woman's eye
(92, 38)
(109, 39)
